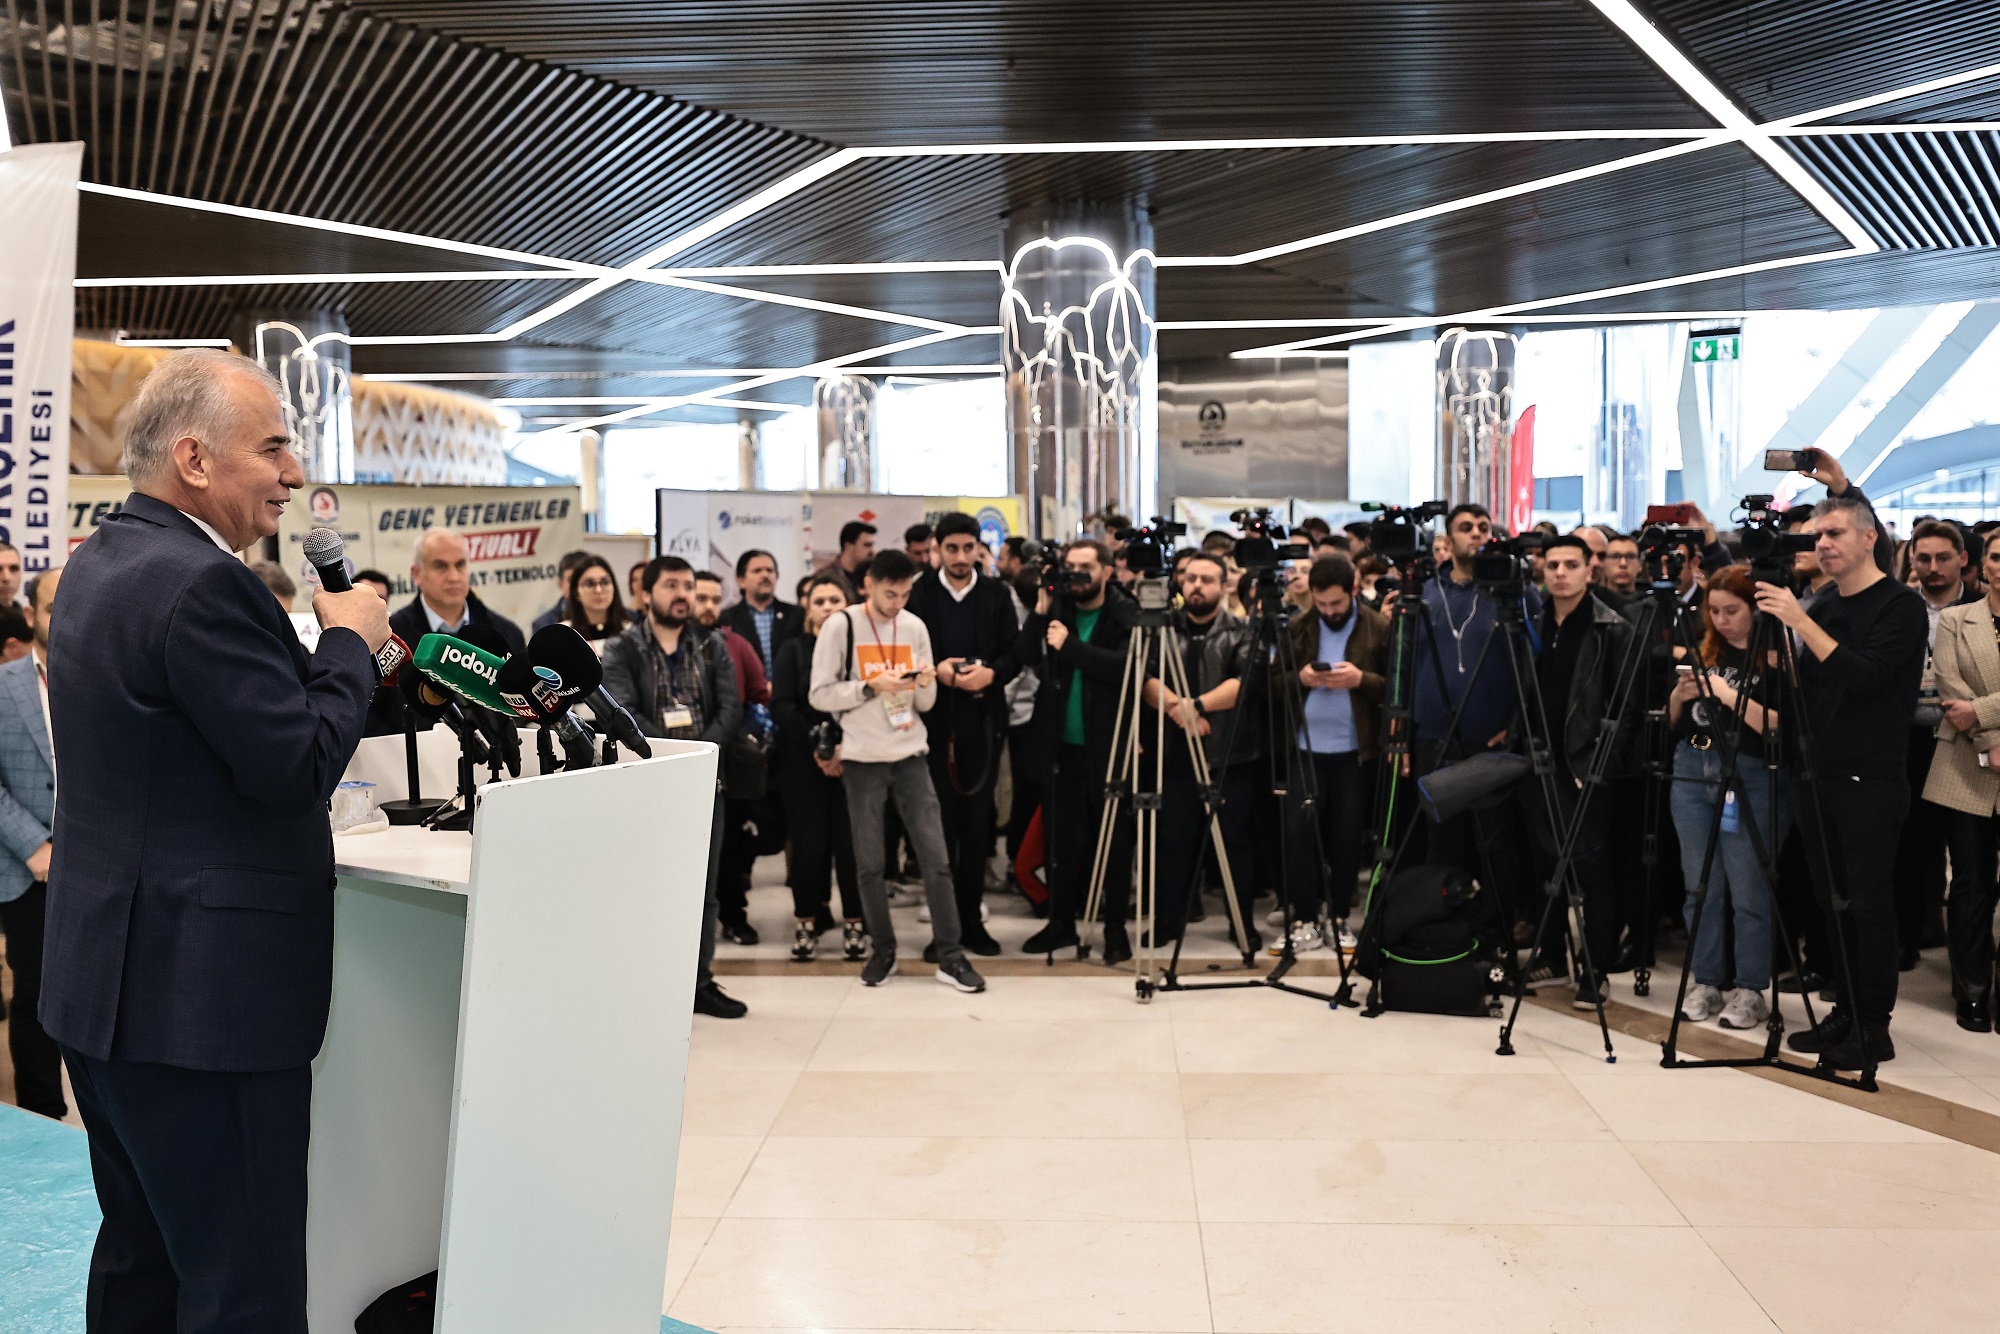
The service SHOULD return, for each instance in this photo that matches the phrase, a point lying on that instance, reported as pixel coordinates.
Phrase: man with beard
(680, 684)
(1075, 641)
(972, 627)
(1216, 654)
(1937, 554)
(1341, 648)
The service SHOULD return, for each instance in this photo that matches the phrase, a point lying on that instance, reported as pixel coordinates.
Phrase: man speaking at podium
(190, 906)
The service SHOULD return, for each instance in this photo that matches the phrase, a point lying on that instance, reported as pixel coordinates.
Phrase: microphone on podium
(502, 731)
(557, 670)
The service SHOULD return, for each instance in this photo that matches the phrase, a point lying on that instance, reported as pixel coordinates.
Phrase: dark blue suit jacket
(190, 911)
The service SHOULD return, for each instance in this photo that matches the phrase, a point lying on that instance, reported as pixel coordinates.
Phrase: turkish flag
(1521, 473)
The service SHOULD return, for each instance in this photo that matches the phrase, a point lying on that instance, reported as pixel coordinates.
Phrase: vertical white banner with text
(37, 323)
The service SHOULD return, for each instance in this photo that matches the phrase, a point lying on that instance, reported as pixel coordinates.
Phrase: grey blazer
(27, 776)
(1966, 658)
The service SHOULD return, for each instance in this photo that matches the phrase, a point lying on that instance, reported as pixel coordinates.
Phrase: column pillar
(307, 351)
(845, 406)
(1475, 390)
(1076, 316)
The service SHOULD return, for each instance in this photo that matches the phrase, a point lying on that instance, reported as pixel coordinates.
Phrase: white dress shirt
(208, 528)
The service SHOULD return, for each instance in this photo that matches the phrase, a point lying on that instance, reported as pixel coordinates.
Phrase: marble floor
(1054, 1156)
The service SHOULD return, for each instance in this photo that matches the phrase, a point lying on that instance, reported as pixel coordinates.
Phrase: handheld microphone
(394, 656)
(328, 554)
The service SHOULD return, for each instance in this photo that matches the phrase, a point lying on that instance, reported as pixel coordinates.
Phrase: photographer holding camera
(971, 620)
(1216, 653)
(1860, 661)
(808, 773)
(1075, 641)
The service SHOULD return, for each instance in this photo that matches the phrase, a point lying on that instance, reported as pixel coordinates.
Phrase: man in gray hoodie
(872, 670)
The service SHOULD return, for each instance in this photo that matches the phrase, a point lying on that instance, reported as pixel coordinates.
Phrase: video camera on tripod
(1265, 541)
(1663, 550)
(1503, 568)
(1769, 547)
(1398, 536)
(1149, 550)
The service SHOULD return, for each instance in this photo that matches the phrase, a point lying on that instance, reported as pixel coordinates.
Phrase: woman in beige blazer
(1965, 778)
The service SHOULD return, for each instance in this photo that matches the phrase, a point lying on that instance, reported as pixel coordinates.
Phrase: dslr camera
(1265, 541)
(1149, 550)
(826, 739)
(1398, 535)
(1769, 547)
(1059, 580)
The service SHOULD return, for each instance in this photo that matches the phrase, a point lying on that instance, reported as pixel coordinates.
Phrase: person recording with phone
(808, 770)
(970, 617)
(1860, 662)
(1724, 688)
(1075, 641)
(679, 683)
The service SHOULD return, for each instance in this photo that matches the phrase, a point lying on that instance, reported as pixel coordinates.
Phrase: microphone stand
(413, 809)
(457, 814)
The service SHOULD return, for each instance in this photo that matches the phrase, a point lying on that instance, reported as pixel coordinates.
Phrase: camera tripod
(1784, 717)
(1156, 645)
(1290, 772)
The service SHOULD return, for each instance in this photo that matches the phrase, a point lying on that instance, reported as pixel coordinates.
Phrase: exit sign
(1714, 347)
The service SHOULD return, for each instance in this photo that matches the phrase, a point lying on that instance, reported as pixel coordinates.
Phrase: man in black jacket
(760, 616)
(445, 604)
(1584, 645)
(971, 622)
(1076, 644)
(1216, 649)
(679, 683)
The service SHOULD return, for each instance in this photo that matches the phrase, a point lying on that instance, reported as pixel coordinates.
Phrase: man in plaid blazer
(27, 821)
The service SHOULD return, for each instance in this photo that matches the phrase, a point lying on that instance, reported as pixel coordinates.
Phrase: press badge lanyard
(896, 703)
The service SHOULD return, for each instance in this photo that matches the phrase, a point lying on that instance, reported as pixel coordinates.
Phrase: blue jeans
(1697, 784)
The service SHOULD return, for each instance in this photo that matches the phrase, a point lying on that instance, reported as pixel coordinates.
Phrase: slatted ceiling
(1916, 191)
(1202, 203)
(1979, 100)
(958, 71)
(1887, 278)
(1264, 292)
(1705, 211)
(1784, 57)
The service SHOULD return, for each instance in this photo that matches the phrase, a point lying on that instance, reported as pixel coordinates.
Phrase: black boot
(1865, 1044)
(1827, 1033)
(1059, 934)
(1117, 943)
(1975, 1016)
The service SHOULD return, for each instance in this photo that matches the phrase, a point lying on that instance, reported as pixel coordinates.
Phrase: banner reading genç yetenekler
(514, 537)
(37, 322)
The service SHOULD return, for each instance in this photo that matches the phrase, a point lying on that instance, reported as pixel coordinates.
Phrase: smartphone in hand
(1790, 460)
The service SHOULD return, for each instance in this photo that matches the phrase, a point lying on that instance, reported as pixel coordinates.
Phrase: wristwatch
(1200, 709)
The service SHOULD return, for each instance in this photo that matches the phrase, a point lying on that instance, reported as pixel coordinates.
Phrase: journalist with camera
(1860, 662)
(1075, 642)
(1215, 648)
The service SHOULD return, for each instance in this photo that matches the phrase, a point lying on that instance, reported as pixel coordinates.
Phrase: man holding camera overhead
(1860, 651)
(971, 622)
(1075, 640)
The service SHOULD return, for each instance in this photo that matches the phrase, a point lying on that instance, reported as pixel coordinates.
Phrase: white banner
(37, 322)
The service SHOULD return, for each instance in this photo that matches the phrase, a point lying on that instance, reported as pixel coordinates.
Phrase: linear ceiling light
(315, 279)
(1894, 95)
(1677, 67)
(123, 341)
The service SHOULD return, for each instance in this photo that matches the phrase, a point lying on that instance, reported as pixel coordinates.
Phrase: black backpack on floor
(1430, 943)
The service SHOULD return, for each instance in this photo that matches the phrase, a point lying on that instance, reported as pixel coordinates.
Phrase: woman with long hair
(1737, 694)
(815, 802)
(590, 603)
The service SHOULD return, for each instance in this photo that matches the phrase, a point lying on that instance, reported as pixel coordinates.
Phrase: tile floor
(1054, 1156)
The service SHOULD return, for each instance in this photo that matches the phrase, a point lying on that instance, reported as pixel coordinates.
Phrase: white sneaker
(1305, 936)
(924, 912)
(1275, 917)
(1703, 1003)
(1744, 1008)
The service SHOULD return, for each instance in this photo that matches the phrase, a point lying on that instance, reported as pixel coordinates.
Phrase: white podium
(499, 1096)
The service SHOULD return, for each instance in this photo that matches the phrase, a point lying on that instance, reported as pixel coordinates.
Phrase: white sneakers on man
(1703, 1003)
(1744, 1008)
